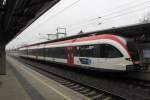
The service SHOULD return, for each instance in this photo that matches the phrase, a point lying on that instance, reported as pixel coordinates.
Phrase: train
(105, 52)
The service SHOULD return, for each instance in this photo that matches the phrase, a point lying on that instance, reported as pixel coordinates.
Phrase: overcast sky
(76, 15)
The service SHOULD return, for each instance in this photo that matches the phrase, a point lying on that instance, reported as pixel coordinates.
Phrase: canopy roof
(17, 15)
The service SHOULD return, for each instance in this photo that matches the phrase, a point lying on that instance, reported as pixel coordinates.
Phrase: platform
(23, 83)
(10, 87)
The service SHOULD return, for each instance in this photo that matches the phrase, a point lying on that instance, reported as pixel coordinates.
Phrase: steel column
(2, 59)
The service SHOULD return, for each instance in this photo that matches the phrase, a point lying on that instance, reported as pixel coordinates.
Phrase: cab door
(115, 59)
(70, 56)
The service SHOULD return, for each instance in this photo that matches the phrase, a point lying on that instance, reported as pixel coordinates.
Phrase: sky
(85, 15)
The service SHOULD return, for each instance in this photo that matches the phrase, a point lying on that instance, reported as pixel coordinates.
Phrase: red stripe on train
(104, 36)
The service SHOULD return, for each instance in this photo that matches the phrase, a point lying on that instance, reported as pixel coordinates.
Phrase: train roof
(79, 41)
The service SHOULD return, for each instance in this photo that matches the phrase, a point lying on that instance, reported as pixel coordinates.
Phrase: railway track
(92, 93)
(95, 88)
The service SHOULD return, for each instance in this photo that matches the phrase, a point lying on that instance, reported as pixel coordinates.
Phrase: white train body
(107, 52)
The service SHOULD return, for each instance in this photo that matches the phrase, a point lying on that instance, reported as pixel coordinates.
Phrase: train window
(39, 52)
(30, 52)
(85, 51)
(102, 51)
(111, 52)
(96, 51)
(46, 51)
(61, 52)
(49, 52)
(76, 51)
(58, 52)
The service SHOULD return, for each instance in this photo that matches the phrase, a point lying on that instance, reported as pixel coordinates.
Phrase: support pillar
(2, 59)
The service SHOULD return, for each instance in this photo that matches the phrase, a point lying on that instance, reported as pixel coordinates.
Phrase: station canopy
(17, 15)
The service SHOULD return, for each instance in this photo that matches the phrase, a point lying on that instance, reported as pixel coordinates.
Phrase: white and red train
(101, 52)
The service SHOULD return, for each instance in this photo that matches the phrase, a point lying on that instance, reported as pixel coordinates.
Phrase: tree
(81, 32)
(145, 18)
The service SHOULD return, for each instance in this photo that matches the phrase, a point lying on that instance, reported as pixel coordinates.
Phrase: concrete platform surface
(10, 87)
(33, 85)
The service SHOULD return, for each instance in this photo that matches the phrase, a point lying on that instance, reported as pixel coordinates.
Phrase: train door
(114, 58)
(70, 58)
(101, 55)
(43, 54)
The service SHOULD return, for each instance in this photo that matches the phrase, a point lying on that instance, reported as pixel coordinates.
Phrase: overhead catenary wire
(61, 11)
(113, 16)
(97, 18)
(109, 15)
(116, 16)
(130, 12)
(103, 18)
(93, 19)
(122, 10)
(71, 5)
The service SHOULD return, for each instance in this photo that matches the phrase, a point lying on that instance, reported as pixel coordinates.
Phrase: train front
(140, 56)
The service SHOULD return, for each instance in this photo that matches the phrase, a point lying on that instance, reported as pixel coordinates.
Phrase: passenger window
(58, 52)
(112, 52)
(76, 51)
(102, 51)
(85, 51)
